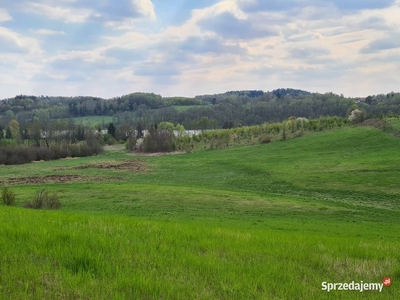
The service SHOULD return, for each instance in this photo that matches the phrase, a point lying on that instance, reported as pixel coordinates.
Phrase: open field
(263, 222)
(94, 120)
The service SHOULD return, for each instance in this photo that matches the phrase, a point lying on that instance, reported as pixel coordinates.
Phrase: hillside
(230, 109)
(270, 221)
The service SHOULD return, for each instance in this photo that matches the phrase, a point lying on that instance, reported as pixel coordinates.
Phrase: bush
(265, 139)
(44, 200)
(131, 144)
(8, 197)
(357, 116)
(158, 141)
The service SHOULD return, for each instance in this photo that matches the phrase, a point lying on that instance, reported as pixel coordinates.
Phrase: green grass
(94, 120)
(263, 222)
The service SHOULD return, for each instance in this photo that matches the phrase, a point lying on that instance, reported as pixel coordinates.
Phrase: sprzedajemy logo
(356, 286)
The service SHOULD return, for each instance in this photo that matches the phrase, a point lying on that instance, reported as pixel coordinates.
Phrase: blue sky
(109, 48)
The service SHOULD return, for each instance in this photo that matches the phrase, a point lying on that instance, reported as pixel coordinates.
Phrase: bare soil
(137, 165)
(49, 178)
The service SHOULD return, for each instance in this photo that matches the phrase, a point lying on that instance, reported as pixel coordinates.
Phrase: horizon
(179, 96)
(106, 49)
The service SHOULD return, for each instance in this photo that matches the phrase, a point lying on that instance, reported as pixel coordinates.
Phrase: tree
(158, 140)
(15, 130)
(357, 116)
(166, 126)
(139, 130)
(36, 132)
(124, 132)
(8, 133)
(1, 132)
(111, 129)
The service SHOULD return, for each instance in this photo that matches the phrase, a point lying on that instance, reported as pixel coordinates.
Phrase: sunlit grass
(263, 222)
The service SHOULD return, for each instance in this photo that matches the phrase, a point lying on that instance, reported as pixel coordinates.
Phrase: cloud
(4, 15)
(108, 48)
(195, 44)
(125, 54)
(11, 41)
(114, 11)
(152, 69)
(266, 5)
(85, 63)
(362, 4)
(288, 5)
(381, 45)
(374, 22)
(68, 15)
(228, 26)
(48, 32)
(308, 52)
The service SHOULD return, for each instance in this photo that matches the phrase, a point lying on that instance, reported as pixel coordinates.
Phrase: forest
(227, 110)
(45, 128)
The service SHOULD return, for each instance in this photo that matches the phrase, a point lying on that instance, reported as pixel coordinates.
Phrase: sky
(109, 48)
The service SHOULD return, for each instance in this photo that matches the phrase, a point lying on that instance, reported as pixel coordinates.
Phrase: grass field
(263, 222)
(94, 120)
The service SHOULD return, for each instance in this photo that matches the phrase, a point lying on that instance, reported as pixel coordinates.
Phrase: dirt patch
(56, 179)
(137, 165)
(157, 153)
(49, 178)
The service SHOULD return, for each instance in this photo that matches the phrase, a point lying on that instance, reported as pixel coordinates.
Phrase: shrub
(357, 116)
(131, 144)
(8, 197)
(44, 200)
(158, 141)
(265, 139)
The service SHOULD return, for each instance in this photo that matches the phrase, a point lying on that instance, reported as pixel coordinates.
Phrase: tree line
(35, 141)
(227, 110)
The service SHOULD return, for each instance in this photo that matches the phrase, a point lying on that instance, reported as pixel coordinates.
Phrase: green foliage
(14, 128)
(7, 197)
(159, 140)
(108, 139)
(44, 200)
(357, 116)
(166, 126)
(21, 154)
(111, 129)
(181, 101)
(8, 133)
(125, 132)
(260, 134)
(131, 144)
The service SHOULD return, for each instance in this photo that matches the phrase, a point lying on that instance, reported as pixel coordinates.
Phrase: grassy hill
(263, 222)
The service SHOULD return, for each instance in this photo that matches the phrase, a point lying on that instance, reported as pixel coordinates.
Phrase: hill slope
(271, 221)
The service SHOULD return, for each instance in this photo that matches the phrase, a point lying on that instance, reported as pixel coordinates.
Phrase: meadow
(269, 221)
(94, 120)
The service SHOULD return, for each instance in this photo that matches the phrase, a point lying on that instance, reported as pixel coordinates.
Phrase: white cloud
(12, 41)
(145, 8)
(68, 15)
(315, 46)
(4, 15)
